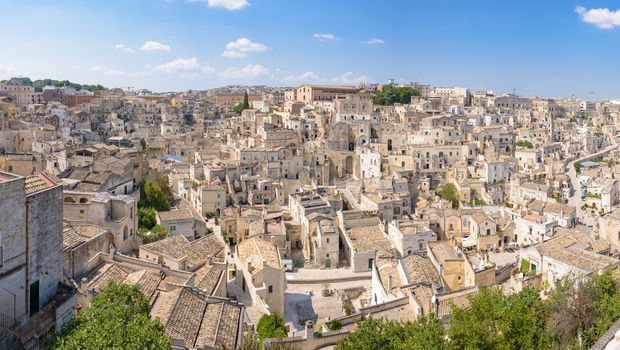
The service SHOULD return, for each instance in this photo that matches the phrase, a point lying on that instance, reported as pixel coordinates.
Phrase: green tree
(250, 342)
(146, 218)
(391, 94)
(575, 315)
(153, 196)
(246, 100)
(271, 326)
(334, 325)
(426, 333)
(525, 143)
(449, 193)
(577, 166)
(496, 321)
(156, 233)
(238, 108)
(118, 318)
(143, 144)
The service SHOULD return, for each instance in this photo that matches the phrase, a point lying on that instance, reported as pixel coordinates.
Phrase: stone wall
(44, 226)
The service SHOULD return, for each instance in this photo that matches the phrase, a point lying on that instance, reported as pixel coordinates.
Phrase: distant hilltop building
(21, 91)
(228, 101)
(312, 93)
(67, 95)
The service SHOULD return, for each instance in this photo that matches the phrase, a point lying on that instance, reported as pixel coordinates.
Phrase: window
(420, 245)
(488, 232)
(173, 228)
(270, 289)
(327, 255)
(328, 240)
(81, 213)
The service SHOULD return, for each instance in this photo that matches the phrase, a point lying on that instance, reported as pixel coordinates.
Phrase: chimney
(309, 331)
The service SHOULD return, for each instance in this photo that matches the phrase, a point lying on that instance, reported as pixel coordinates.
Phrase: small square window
(270, 289)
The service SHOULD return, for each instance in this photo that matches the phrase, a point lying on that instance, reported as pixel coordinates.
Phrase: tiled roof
(147, 281)
(420, 270)
(256, 251)
(208, 277)
(178, 246)
(186, 317)
(443, 251)
(571, 250)
(389, 271)
(109, 272)
(37, 183)
(178, 214)
(220, 327)
(370, 238)
(197, 320)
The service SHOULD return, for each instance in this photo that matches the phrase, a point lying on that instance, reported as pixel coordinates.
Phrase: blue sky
(539, 48)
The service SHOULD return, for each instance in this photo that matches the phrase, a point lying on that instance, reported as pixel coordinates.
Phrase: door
(34, 298)
(328, 263)
(370, 261)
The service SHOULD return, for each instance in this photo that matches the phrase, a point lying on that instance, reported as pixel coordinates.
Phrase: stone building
(31, 260)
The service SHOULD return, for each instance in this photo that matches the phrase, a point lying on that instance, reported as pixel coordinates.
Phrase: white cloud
(603, 18)
(6, 71)
(249, 71)
(303, 78)
(374, 41)
(311, 77)
(242, 46)
(107, 71)
(123, 48)
(347, 79)
(184, 65)
(231, 5)
(154, 46)
(325, 36)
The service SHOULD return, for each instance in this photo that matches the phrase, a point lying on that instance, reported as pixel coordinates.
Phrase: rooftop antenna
(591, 93)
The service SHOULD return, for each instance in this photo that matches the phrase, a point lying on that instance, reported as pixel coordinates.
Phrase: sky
(551, 48)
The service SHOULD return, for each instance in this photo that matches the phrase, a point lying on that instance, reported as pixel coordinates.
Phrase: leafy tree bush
(391, 94)
(243, 105)
(156, 233)
(574, 316)
(147, 218)
(426, 333)
(118, 318)
(525, 144)
(334, 325)
(496, 321)
(271, 326)
(449, 193)
(153, 196)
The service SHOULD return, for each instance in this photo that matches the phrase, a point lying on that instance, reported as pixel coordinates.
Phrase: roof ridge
(219, 320)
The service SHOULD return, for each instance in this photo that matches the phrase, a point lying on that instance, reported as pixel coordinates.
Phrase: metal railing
(7, 322)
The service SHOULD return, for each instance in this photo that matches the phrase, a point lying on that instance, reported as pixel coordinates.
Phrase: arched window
(69, 200)
(83, 200)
